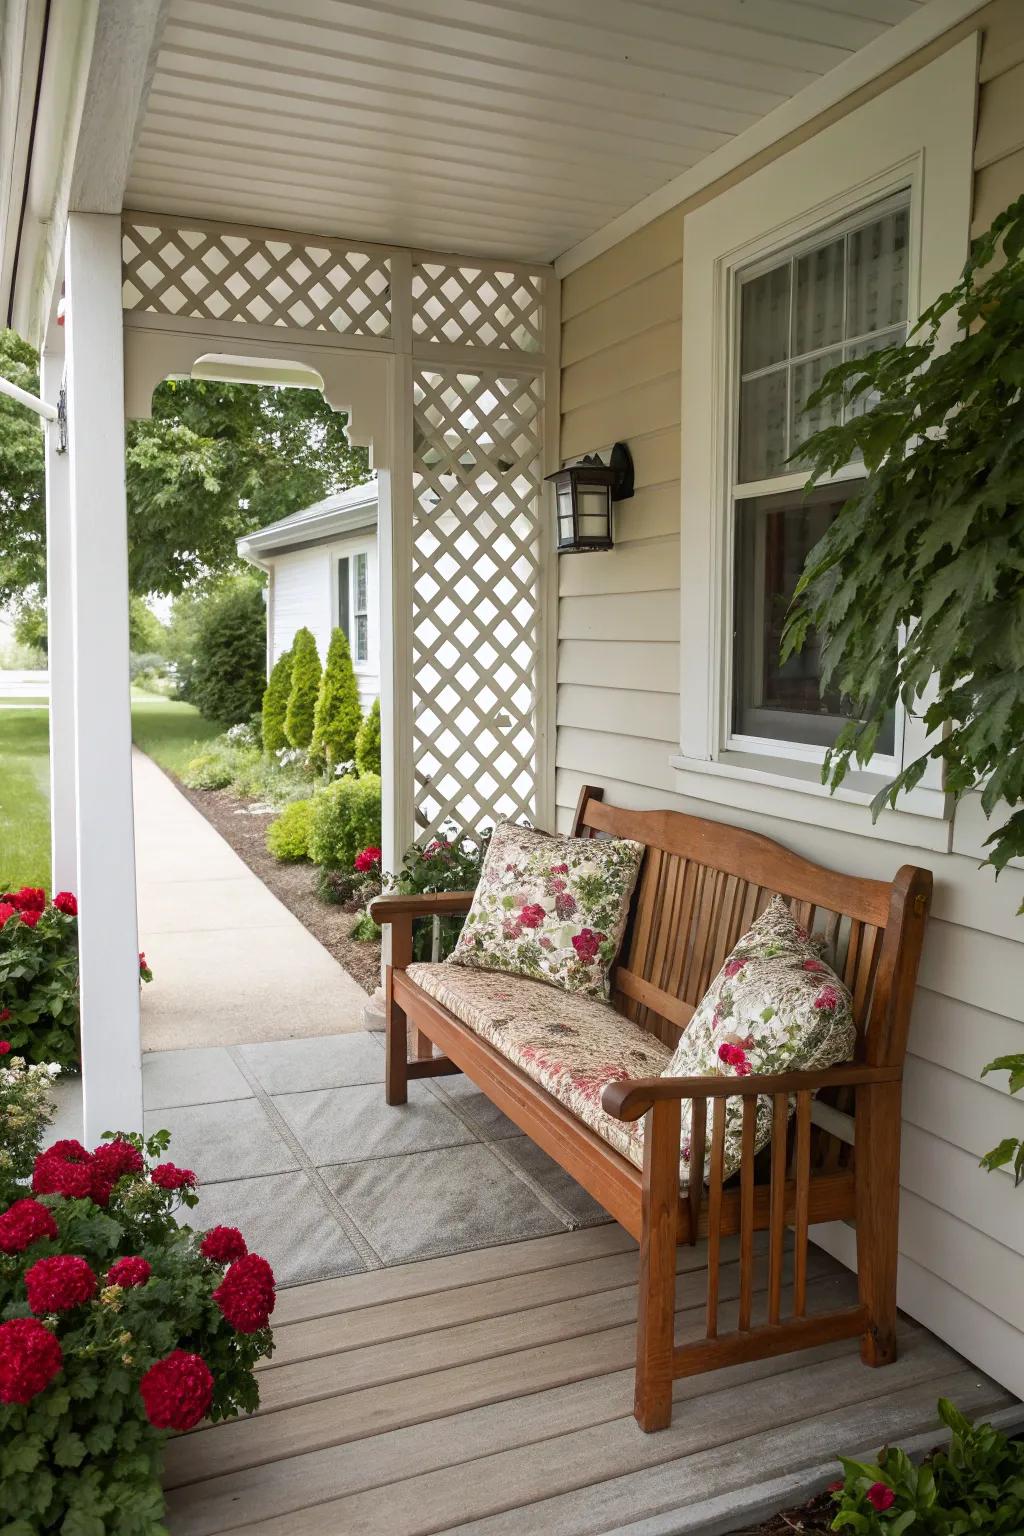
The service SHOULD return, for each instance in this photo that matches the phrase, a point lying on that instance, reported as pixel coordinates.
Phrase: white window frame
(355, 610)
(351, 548)
(918, 135)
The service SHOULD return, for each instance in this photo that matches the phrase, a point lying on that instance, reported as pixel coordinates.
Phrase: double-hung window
(353, 603)
(841, 294)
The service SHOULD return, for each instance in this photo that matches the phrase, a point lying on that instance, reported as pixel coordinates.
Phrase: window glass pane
(764, 320)
(774, 535)
(362, 638)
(806, 378)
(878, 274)
(891, 338)
(818, 298)
(762, 449)
(360, 583)
(343, 599)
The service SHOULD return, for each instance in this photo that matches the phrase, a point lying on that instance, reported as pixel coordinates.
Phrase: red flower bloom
(734, 1056)
(246, 1294)
(586, 944)
(31, 898)
(65, 902)
(881, 1497)
(128, 1272)
(7, 911)
(177, 1391)
(558, 869)
(30, 1358)
(827, 999)
(836, 1487)
(816, 965)
(565, 905)
(30, 916)
(117, 1157)
(57, 1284)
(145, 973)
(733, 967)
(167, 1176)
(63, 1169)
(23, 1224)
(532, 916)
(368, 859)
(223, 1244)
(5, 1045)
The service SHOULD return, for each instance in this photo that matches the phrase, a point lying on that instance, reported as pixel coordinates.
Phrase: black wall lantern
(584, 493)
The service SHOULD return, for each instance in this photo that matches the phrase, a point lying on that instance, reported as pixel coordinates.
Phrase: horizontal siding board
(648, 565)
(981, 1267)
(1002, 38)
(649, 665)
(619, 711)
(598, 756)
(650, 513)
(953, 1035)
(963, 1111)
(656, 456)
(1000, 117)
(623, 366)
(652, 301)
(976, 967)
(995, 188)
(658, 245)
(654, 615)
(648, 408)
(949, 1177)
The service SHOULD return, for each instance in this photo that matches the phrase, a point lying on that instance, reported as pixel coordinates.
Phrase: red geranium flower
(118, 1157)
(366, 860)
(532, 916)
(30, 916)
(167, 1176)
(5, 1045)
(23, 1224)
(223, 1244)
(881, 1497)
(7, 911)
(177, 1390)
(246, 1294)
(57, 1284)
(65, 902)
(128, 1272)
(63, 1169)
(31, 898)
(30, 1358)
(145, 973)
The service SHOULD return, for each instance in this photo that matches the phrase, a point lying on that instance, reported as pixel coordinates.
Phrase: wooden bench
(701, 885)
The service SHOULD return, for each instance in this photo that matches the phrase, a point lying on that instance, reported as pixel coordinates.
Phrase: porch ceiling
(511, 127)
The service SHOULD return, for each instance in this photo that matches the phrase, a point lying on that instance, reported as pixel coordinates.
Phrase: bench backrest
(702, 884)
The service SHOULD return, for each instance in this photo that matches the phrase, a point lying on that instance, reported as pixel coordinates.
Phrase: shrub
(39, 976)
(449, 863)
(346, 819)
(306, 671)
(140, 1326)
(26, 1108)
(288, 836)
(338, 717)
(368, 741)
(975, 1485)
(215, 767)
(229, 670)
(275, 703)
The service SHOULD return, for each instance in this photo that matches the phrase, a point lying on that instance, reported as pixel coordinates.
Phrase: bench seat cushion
(572, 1045)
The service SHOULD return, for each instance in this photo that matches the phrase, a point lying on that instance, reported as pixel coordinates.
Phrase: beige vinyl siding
(962, 1235)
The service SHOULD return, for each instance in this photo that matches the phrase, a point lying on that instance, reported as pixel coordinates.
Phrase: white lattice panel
(475, 596)
(477, 306)
(211, 272)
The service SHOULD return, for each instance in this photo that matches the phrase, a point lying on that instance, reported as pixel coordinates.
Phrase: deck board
(501, 1405)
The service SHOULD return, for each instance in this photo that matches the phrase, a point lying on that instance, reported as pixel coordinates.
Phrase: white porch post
(60, 646)
(108, 924)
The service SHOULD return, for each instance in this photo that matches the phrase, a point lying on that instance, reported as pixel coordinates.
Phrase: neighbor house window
(839, 296)
(361, 647)
(344, 599)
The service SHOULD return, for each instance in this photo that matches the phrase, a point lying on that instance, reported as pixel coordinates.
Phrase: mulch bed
(810, 1520)
(293, 884)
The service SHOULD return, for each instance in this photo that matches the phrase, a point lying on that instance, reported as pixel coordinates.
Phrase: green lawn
(168, 731)
(24, 798)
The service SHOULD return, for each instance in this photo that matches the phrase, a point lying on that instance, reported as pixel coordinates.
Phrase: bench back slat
(701, 886)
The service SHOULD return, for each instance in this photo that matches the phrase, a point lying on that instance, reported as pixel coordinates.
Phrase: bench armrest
(631, 1098)
(384, 909)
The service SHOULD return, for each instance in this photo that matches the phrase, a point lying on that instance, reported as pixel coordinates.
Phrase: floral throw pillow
(775, 1006)
(550, 908)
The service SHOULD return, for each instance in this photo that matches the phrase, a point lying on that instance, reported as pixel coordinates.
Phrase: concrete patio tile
(341, 1125)
(233, 1140)
(430, 1203)
(554, 1181)
(282, 1217)
(197, 1076)
(324, 1061)
(485, 1115)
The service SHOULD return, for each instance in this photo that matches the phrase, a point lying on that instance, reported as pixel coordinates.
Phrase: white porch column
(107, 924)
(60, 646)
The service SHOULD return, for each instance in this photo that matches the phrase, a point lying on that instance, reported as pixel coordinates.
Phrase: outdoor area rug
(293, 1143)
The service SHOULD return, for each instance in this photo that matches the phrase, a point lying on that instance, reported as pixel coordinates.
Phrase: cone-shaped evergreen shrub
(368, 742)
(275, 703)
(338, 716)
(306, 670)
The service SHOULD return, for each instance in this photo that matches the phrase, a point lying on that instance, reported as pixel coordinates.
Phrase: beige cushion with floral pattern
(550, 908)
(775, 1006)
(571, 1045)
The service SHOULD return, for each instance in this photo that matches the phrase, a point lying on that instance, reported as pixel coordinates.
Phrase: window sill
(781, 787)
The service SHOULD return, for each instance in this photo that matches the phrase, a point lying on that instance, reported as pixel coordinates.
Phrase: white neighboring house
(321, 566)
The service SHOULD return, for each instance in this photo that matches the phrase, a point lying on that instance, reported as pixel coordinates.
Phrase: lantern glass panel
(595, 511)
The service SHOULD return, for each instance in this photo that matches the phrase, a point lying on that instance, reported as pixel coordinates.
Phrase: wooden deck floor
(490, 1393)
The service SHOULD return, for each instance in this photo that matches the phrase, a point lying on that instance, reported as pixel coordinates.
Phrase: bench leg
(396, 1039)
(656, 1312)
(877, 1166)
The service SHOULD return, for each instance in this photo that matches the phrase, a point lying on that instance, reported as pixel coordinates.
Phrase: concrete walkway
(231, 964)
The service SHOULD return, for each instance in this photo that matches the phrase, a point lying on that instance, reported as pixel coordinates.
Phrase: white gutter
(41, 407)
